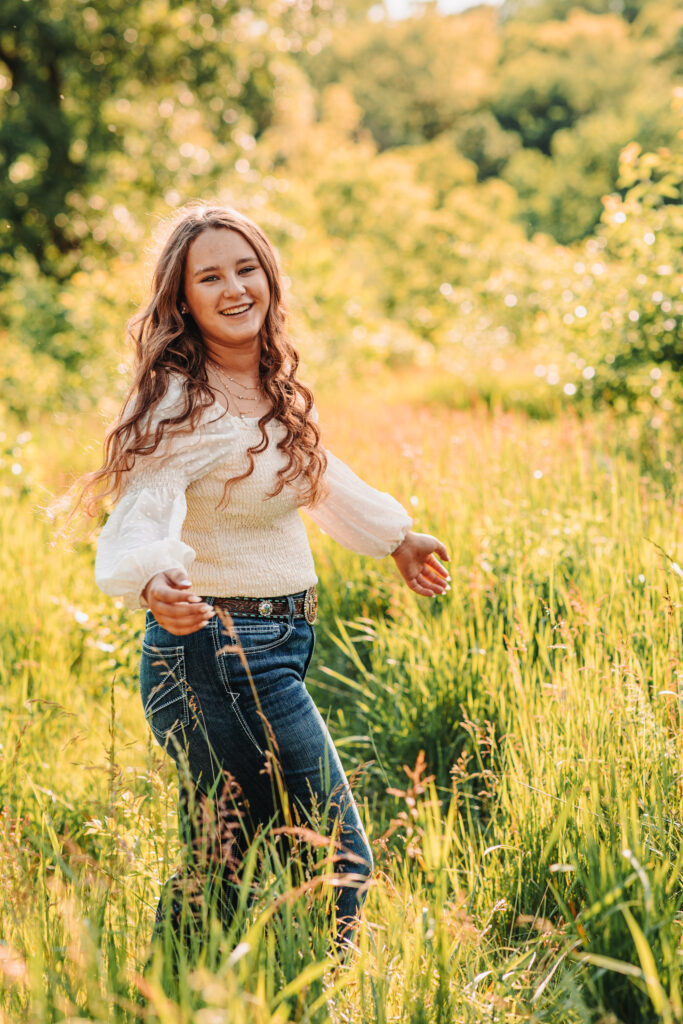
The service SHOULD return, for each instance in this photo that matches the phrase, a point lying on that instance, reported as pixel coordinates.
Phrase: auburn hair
(168, 343)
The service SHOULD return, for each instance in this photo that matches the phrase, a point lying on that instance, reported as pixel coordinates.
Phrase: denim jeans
(250, 754)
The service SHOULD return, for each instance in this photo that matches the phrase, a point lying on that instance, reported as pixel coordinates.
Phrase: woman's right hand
(173, 604)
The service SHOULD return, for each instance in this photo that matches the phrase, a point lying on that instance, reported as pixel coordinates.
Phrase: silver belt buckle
(311, 606)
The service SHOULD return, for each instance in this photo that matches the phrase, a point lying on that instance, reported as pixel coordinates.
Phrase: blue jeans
(249, 757)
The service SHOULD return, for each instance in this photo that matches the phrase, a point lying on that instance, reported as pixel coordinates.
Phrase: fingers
(433, 574)
(176, 610)
(435, 565)
(431, 585)
(428, 586)
(436, 587)
(178, 578)
(180, 621)
(421, 590)
(174, 597)
(442, 551)
(163, 592)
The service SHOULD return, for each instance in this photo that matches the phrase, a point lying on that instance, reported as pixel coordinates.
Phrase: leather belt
(305, 607)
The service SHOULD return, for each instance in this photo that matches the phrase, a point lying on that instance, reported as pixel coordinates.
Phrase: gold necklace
(242, 398)
(225, 376)
(245, 386)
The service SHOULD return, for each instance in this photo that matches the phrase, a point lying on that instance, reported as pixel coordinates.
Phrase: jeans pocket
(163, 690)
(255, 636)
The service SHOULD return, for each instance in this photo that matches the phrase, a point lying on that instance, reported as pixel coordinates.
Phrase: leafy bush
(621, 317)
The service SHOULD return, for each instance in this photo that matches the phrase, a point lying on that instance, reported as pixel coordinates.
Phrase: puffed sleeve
(142, 535)
(356, 515)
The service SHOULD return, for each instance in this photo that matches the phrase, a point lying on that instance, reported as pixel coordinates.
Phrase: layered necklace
(224, 378)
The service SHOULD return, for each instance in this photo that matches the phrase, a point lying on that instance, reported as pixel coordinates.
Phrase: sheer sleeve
(142, 535)
(365, 520)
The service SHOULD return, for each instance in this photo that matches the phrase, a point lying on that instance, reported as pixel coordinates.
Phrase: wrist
(145, 589)
(402, 545)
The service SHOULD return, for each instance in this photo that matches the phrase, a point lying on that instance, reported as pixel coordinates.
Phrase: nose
(234, 286)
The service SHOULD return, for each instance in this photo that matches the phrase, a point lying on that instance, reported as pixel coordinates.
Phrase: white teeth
(235, 311)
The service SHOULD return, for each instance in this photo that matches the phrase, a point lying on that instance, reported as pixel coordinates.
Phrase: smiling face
(226, 291)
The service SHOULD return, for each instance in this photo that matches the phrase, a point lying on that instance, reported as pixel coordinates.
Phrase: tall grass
(514, 748)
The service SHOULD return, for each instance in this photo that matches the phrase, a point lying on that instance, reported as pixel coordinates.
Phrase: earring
(183, 308)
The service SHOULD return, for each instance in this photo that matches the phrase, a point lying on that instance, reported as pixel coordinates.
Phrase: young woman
(216, 450)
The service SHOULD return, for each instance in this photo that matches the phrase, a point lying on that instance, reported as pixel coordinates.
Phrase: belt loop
(209, 600)
(290, 602)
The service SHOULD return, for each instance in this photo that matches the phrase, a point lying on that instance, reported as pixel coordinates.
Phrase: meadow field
(479, 219)
(515, 746)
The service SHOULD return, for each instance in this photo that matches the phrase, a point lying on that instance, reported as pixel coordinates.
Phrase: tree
(83, 86)
(413, 78)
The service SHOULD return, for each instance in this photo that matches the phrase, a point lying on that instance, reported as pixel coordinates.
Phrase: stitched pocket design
(164, 690)
(259, 636)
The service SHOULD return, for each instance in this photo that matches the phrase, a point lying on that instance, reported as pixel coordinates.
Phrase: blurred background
(487, 197)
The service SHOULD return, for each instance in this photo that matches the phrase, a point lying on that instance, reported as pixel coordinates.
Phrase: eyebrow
(243, 259)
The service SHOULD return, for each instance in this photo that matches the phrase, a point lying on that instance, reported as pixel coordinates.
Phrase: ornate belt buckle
(265, 609)
(311, 606)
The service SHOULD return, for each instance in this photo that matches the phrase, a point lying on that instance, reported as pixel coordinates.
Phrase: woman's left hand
(417, 562)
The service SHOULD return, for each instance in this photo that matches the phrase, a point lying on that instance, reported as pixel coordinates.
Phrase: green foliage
(481, 139)
(113, 93)
(416, 203)
(626, 334)
(537, 877)
(576, 92)
(405, 98)
(543, 10)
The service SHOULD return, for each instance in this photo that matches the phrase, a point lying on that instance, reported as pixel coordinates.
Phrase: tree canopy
(429, 182)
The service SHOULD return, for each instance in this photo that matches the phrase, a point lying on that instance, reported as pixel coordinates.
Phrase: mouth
(236, 310)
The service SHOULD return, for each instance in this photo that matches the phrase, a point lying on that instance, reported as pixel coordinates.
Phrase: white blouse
(255, 546)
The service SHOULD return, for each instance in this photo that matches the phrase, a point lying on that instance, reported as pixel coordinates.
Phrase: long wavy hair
(168, 342)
